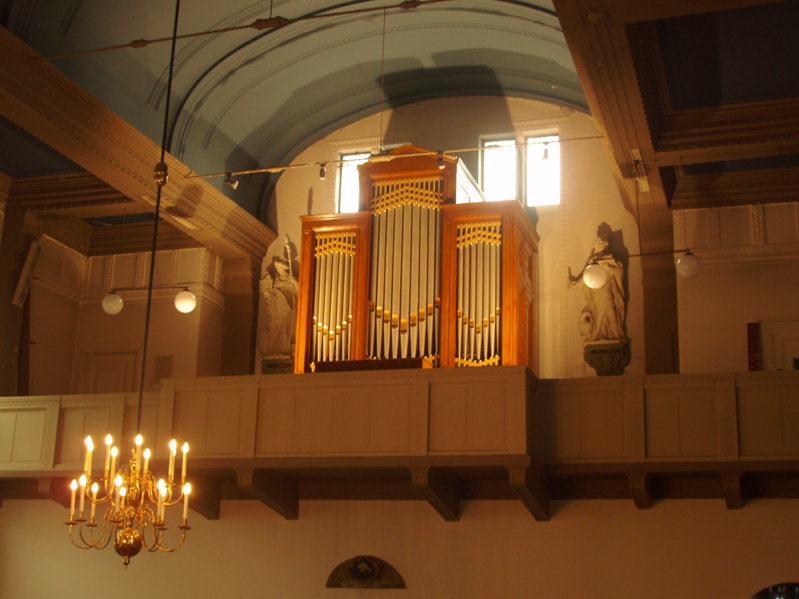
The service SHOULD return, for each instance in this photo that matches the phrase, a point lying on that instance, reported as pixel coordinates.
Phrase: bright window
(499, 169)
(540, 163)
(348, 181)
(543, 171)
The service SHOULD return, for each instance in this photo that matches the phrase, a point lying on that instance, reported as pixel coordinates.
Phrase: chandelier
(132, 502)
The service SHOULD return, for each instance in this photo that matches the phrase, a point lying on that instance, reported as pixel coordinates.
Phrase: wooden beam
(440, 491)
(639, 489)
(528, 483)
(39, 98)
(75, 194)
(731, 488)
(205, 497)
(736, 188)
(280, 494)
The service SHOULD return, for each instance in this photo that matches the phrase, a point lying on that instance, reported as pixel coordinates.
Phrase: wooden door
(112, 372)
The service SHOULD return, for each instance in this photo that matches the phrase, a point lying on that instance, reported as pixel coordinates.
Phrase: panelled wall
(78, 348)
(750, 257)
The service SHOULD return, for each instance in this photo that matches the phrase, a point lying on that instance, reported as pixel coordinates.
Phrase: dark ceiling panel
(22, 155)
(732, 56)
(736, 166)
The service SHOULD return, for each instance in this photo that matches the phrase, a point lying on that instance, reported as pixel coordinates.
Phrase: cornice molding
(74, 192)
(42, 100)
(129, 239)
(753, 253)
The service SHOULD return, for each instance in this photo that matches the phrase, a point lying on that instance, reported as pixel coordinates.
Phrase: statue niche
(602, 322)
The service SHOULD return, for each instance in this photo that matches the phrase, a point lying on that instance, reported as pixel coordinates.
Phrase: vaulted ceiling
(257, 95)
(698, 100)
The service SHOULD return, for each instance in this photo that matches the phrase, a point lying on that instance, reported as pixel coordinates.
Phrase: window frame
(521, 133)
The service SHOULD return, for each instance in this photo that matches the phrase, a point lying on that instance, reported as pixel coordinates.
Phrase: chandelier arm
(183, 528)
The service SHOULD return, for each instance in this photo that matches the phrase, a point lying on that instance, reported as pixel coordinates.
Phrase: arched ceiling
(255, 98)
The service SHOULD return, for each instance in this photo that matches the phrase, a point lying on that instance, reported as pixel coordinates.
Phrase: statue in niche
(602, 322)
(279, 290)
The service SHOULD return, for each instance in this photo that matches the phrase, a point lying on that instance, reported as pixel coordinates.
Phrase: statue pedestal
(609, 357)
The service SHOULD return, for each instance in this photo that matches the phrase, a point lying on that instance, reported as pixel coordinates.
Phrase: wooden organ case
(425, 272)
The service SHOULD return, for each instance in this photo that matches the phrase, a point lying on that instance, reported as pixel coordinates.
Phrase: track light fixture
(229, 180)
(441, 161)
(322, 171)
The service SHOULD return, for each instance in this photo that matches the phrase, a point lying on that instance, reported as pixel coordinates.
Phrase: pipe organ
(426, 270)
(404, 294)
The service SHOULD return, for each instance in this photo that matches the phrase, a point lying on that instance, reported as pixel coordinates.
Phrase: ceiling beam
(39, 98)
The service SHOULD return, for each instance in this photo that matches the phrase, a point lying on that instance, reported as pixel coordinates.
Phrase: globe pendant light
(112, 303)
(594, 276)
(688, 266)
(185, 301)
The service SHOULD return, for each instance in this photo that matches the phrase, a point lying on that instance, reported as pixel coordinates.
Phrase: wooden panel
(313, 416)
(390, 420)
(350, 420)
(768, 416)
(28, 433)
(339, 418)
(81, 415)
(478, 410)
(210, 420)
(275, 422)
(691, 418)
(590, 420)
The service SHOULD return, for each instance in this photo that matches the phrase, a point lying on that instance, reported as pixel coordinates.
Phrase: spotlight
(112, 303)
(688, 266)
(322, 172)
(229, 180)
(185, 301)
(441, 161)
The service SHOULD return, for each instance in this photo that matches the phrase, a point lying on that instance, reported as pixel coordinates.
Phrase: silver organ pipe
(406, 277)
(333, 290)
(478, 298)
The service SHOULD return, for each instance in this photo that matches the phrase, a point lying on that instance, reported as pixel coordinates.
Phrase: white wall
(689, 549)
(568, 231)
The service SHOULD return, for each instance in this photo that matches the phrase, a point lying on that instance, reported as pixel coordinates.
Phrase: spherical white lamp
(112, 303)
(185, 301)
(595, 276)
(688, 266)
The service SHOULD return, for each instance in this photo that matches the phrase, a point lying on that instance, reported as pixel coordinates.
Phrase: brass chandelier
(134, 503)
(132, 500)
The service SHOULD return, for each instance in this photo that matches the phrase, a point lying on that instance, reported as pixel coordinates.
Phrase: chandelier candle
(135, 506)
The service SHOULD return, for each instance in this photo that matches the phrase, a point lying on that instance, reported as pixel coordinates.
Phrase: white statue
(603, 316)
(280, 291)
